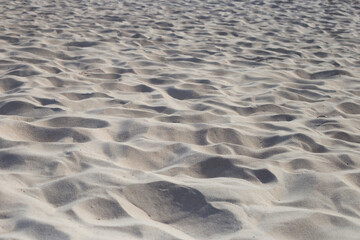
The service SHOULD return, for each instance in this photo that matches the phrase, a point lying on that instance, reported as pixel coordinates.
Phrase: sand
(179, 119)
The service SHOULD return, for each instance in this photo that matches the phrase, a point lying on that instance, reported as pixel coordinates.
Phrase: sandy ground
(179, 119)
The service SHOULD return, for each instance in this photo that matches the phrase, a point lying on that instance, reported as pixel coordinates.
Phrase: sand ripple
(179, 119)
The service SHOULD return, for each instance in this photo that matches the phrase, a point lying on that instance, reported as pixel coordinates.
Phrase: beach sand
(180, 119)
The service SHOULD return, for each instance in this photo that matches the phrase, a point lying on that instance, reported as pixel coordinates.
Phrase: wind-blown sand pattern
(179, 119)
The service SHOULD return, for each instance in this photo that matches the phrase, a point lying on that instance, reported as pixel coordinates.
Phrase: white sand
(179, 119)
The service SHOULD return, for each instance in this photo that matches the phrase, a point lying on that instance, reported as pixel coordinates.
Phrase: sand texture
(184, 119)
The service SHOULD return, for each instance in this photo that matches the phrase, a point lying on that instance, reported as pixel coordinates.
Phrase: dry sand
(179, 119)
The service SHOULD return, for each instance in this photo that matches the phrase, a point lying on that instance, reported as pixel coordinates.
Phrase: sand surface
(180, 119)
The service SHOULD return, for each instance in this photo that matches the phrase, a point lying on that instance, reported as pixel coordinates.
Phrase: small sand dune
(183, 120)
